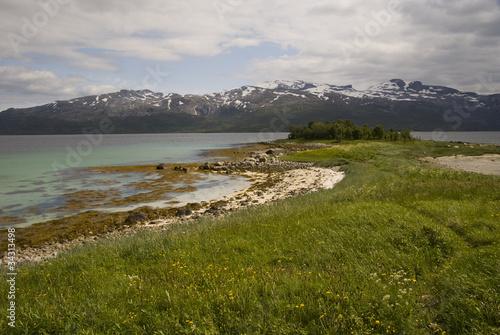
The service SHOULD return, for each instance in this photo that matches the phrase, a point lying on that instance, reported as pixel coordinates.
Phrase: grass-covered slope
(396, 247)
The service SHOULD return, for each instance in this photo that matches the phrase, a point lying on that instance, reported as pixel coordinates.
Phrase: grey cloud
(331, 9)
(436, 41)
(454, 17)
(440, 42)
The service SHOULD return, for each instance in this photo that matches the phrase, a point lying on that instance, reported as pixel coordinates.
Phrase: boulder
(205, 166)
(136, 217)
(180, 168)
(161, 167)
(183, 212)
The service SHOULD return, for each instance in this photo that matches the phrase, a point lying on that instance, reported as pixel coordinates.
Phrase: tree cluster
(346, 130)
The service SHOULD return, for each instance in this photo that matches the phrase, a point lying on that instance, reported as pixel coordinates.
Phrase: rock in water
(161, 167)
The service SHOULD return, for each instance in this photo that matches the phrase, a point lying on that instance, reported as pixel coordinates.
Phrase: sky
(62, 49)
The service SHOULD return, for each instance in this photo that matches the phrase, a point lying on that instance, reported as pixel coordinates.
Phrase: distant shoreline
(473, 137)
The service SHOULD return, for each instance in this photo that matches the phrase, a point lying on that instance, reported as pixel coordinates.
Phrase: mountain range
(268, 107)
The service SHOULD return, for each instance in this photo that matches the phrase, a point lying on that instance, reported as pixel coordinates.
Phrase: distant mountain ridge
(269, 106)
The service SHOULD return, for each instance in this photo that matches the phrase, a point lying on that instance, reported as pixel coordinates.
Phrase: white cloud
(184, 27)
(19, 79)
(19, 85)
(340, 42)
(241, 43)
(97, 89)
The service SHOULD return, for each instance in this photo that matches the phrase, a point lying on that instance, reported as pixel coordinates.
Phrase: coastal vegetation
(397, 247)
(346, 130)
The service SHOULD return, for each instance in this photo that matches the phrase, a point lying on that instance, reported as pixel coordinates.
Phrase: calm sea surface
(36, 171)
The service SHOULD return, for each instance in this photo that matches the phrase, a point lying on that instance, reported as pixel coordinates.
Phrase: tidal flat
(104, 211)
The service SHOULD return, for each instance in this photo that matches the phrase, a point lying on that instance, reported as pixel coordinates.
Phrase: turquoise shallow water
(36, 171)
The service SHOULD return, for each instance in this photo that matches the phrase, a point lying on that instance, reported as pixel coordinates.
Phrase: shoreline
(272, 180)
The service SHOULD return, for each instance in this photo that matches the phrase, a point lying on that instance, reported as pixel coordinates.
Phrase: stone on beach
(136, 217)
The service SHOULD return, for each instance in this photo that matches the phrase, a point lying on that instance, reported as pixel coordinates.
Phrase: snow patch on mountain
(248, 91)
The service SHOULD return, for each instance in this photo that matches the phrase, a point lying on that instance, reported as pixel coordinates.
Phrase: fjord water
(37, 170)
(485, 137)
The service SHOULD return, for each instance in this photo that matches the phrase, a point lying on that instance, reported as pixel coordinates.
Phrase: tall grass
(396, 247)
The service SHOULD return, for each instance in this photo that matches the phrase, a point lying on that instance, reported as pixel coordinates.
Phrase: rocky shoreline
(273, 180)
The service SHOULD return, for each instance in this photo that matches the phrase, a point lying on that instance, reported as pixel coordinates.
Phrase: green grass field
(395, 248)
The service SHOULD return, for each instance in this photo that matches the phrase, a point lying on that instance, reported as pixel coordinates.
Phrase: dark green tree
(378, 132)
(406, 135)
(346, 130)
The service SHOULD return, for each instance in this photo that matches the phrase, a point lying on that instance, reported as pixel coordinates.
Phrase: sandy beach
(486, 164)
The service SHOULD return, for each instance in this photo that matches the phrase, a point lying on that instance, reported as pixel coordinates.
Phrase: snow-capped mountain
(252, 108)
(395, 89)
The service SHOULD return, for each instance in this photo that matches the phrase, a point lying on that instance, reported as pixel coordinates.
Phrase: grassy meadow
(397, 247)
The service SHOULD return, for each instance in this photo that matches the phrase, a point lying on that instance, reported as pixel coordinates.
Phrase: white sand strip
(486, 164)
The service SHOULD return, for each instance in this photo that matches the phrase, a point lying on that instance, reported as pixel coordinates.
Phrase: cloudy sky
(59, 49)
